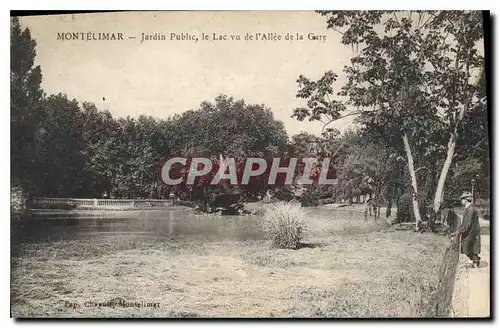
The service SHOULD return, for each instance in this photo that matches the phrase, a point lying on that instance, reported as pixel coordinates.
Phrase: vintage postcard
(250, 164)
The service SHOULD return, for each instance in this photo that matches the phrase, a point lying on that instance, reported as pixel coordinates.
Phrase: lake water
(138, 224)
(177, 224)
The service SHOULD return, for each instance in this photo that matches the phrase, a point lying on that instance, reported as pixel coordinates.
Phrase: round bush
(284, 223)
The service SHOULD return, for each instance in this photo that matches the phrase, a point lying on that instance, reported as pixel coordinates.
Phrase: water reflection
(141, 224)
(178, 224)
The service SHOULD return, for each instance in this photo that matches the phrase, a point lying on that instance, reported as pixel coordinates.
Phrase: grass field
(347, 267)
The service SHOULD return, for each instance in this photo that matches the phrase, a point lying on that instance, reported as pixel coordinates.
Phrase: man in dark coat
(469, 230)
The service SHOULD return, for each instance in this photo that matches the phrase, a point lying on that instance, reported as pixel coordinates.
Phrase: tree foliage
(415, 74)
(25, 97)
(64, 148)
(414, 78)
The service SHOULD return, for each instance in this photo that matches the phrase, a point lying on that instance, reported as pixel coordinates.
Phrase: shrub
(18, 200)
(405, 208)
(57, 206)
(284, 224)
(484, 212)
(480, 202)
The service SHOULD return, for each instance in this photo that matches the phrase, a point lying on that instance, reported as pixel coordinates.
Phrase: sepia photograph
(250, 164)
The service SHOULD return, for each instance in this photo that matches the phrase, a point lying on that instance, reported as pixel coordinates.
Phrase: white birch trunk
(411, 168)
(438, 197)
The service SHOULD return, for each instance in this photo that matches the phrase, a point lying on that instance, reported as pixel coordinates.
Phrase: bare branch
(331, 120)
(442, 44)
(420, 15)
(328, 98)
(420, 168)
(480, 142)
(337, 30)
(324, 126)
(440, 115)
(349, 114)
(396, 17)
(432, 15)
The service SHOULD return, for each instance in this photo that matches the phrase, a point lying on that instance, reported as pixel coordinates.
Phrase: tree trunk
(433, 215)
(389, 207)
(413, 176)
(438, 197)
(392, 198)
(378, 203)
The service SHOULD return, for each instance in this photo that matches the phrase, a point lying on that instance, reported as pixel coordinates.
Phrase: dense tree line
(64, 148)
(60, 147)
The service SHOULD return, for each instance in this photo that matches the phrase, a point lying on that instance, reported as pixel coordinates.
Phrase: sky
(162, 78)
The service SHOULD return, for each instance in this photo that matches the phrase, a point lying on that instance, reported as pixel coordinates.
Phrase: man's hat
(466, 195)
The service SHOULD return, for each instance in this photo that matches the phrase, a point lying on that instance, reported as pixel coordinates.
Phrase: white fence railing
(101, 203)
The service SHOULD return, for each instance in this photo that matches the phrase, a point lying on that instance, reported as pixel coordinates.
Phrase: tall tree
(25, 98)
(231, 127)
(60, 149)
(100, 132)
(414, 75)
(305, 145)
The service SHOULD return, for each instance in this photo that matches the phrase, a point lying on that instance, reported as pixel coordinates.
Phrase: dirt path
(471, 297)
(479, 283)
